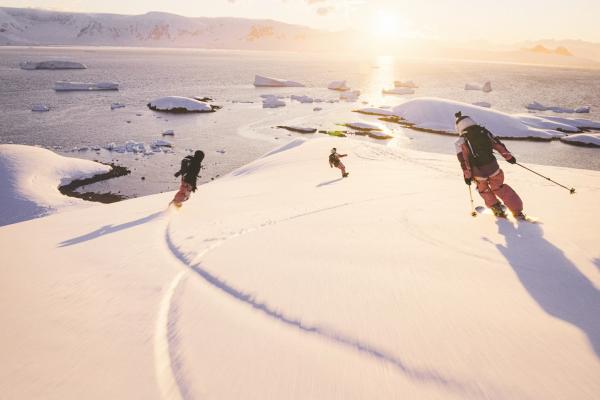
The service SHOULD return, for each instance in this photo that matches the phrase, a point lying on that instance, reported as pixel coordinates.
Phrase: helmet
(199, 154)
(333, 150)
(463, 122)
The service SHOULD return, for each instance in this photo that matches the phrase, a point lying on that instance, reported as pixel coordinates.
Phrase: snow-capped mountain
(34, 26)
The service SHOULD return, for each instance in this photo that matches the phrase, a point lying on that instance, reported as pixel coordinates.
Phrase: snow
(56, 64)
(40, 108)
(437, 115)
(364, 126)
(272, 102)
(407, 84)
(314, 287)
(398, 90)
(64, 86)
(179, 104)
(114, 106)
(29, 181)
(536, 106)
(338, 85)
(350, 96)
(586, 139)
(260, 81)
(486, 87)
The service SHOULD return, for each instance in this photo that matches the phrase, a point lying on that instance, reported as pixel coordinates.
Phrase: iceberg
(349, 96)
(169, 132)
(177, 104)
(537, 106)
(338, 85)
(263, 81)
(114, 106)
(64, 86)
(55, 64)
(40, 108)
(487, 87)
(407, 84)
(582, 139)
(272, 102)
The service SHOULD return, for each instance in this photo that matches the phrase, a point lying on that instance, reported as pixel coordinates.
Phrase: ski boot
(345, 175)
(498, 210)
(519, 216)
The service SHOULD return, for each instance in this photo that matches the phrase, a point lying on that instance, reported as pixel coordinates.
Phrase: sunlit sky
(491, 20)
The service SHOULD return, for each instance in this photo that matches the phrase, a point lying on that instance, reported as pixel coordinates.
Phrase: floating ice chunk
(267, 96)
(407, 84)
(298, 129)
(583, 139)
(398, 90)
(64, 86)
(264, 81)
(364, 126)
(169, 132)
(56, 64)
(302, 99)
(114, 106)
(317, 109)
(537, 106)
(221, 151)
(179, 104)
(40, 108)
(483, 104)
(161, 143)
(338, 85)
(487, 87)
(273, 102)
(352, 95)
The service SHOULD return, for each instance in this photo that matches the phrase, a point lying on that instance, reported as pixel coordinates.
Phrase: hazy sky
(501, 21)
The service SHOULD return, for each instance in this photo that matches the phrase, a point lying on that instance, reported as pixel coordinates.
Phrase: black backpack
(333, 158)
(185, 165)
(480, 142)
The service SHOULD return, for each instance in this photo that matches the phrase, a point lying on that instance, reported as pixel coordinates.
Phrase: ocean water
(242, 130)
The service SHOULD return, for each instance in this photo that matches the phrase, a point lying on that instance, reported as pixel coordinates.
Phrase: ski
(486, 211)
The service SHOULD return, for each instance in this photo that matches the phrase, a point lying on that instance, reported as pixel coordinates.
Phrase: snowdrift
(29, 181)
(177, 104)
(31, 65)
(284, 281)
(437, 115)
(263, 81)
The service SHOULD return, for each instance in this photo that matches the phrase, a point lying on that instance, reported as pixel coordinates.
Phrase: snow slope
(29, 181)
(315, 287)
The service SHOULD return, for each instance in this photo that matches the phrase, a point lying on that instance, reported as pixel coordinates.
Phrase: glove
(177, 174)
(468, 181)
(512, 160)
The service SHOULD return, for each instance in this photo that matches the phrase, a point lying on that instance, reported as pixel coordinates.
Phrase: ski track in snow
(169, 339)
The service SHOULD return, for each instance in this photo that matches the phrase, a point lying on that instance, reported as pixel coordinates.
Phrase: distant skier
(334, 161)
(190, 168)
(474, 149)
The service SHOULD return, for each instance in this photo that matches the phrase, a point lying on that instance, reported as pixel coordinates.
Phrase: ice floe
(54, 64)
(64, 86)
(407, 84)
(487, 87)
(169, 132)
(338, 85)
(582, 139)
(178, 104)
(302, 99)
(264, 81)
(272, 102)
(364, 126)
(536, 106)
(398, 91)
(352, 95)
(114, 106)
(298, 129)
(40, 108)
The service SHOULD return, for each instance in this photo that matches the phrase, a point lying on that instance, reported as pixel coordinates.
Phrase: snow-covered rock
(40, 108)
(364, 126)
(583, 139)
(178, 104)
(350, 96)
(272, 102)
(380, 135)
(264, 81)
(169, 132)
(338, 85)
(398, 91)
(114, 106)
(298, 129)
(29, 181)
(302, 99)
(56, 64)
(64, 86)
(407, 84)
(537, 106)
(487, 87)
(484, 104)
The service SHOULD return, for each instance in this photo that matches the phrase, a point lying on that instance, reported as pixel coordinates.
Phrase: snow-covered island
(436, 115)
(178, 104)
(55, 64)
(282, 280)
(264, 81)
(64, 86)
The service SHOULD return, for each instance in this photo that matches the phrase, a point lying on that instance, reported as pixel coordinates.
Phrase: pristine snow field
(284, 281)
(29, 180)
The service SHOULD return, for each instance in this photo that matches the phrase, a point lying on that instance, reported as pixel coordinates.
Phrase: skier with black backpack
(474, 149)
(190, 168)
(334, 161)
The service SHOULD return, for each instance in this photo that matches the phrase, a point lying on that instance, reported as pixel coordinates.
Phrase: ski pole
(571, 190)
(473, 213)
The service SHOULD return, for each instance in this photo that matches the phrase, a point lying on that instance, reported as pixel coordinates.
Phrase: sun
(385, 24)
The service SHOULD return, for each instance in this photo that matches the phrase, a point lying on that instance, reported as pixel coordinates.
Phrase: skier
(190, 168)
(334, 161)
(474, 149)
